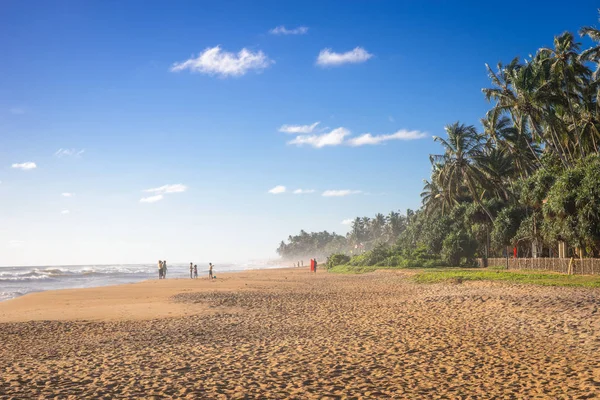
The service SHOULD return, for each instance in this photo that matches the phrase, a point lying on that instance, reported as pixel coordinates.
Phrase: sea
(18, 281)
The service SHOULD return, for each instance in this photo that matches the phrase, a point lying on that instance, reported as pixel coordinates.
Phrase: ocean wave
(37, 273)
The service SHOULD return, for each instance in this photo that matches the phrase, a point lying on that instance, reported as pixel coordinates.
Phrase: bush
(337, 259)
(459, 248)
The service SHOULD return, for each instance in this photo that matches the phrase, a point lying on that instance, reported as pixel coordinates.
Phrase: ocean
(17, 281)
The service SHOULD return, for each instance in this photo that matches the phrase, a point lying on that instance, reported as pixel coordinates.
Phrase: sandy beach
(288, 334)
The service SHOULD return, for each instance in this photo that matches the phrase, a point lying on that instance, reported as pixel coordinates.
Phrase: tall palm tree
(502, 134)
(458, 166)
(524, 92)
(499, 170)
(568, 75)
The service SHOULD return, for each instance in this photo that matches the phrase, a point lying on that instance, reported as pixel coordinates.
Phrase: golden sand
(289, 334)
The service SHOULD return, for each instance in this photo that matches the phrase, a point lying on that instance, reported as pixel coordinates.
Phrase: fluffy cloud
(69, 152)
(347, 221)
(177, 188)
(328, 58)
(282, 30)
(67, 194)
(277, 190)
(24, 166)
(64, 212)
(402, 134)
(298, 128)
(339, 193)
(303, 191)
(214, 61)
(151, 199)
(333, 138)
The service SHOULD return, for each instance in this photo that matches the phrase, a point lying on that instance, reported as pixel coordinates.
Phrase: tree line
(527, 178)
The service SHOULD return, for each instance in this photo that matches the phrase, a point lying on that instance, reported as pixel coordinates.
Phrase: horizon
(214, 131)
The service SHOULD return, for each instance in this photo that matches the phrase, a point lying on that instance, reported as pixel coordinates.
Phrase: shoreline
(146, 299)
(19, 281)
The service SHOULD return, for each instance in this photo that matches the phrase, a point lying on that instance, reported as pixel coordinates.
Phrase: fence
(576, 266)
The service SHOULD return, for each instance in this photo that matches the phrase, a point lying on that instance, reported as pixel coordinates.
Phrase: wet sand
(288, 334)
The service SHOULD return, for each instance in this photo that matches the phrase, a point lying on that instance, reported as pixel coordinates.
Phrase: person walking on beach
(315, 266)
(191, 270)
(164, 269)
(210, 274)
(160, 269)
(195, 272)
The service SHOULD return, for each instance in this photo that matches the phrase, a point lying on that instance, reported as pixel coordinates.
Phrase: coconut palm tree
(458, 167)
(526, 94)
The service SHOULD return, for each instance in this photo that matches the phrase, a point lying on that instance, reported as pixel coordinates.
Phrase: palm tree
(499, 170)
(433, 197)
(524, 92)
(593, 53)
(567, 74)
(394, 226)
(458, 168)
(503, 135)
(377, 225)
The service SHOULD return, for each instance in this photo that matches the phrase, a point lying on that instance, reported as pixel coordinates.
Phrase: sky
(132, 131)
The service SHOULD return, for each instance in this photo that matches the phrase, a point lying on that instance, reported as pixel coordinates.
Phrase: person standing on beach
(210, 274)
(195, 272)
(191, 270)
(160, 269)
(164, 269)
(315, 267)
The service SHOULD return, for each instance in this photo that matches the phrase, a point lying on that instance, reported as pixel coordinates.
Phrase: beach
(286, 333)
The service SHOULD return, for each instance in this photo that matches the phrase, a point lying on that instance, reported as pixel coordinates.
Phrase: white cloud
(176, 188)
(64, 212)
(277, 190)
(304, 191)
(17, 111)
(68, 152)
(298, 128)
(347, 221)
(368, 139)
(67, 194)
(339, 193)
(330, 58)
(214, 61)
(24, 166)
(333, 138)
(151, 199)
(282, 30)
(15, 243)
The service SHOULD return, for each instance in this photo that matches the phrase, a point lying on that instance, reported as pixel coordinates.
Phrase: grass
(524, 277)
(349, 269)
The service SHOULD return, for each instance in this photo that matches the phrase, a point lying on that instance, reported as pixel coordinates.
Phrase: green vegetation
(349, 269)
(523, 277)
(528, 178)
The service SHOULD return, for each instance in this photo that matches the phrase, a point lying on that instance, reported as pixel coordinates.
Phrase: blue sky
(100, 80)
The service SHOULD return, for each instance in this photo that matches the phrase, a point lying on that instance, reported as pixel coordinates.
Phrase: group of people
(194, 271)
(313, 264)
(162, 269)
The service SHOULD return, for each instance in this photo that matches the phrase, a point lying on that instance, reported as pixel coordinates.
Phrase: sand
(288, 334)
